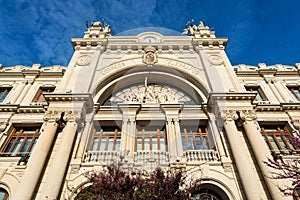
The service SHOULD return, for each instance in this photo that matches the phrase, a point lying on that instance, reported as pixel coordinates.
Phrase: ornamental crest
(150, 56)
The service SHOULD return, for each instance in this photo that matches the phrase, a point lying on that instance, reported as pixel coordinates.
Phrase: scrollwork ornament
(72, 116)
(52, 116)
(248, 115)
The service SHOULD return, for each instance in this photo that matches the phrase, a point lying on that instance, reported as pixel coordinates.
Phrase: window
(3, 194)
(21, 141)
(151, 138)
(195, 138)
(295, 91)
(278, 139)
(106, 138)
(260, 96)
(3, 93)
(39, 96)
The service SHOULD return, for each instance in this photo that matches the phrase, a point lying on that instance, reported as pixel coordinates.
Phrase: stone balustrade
(143, 157)
(201, 156)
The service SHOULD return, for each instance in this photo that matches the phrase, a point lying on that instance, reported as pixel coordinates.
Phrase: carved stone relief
(84, 60)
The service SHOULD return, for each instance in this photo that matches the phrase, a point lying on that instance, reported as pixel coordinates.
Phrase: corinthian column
(37, 158)
(57, 169)
(245, 168)
(260, 150)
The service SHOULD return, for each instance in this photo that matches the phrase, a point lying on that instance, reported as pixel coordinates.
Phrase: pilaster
(173, 129)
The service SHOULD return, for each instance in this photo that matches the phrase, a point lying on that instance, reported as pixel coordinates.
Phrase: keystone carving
(150, 56)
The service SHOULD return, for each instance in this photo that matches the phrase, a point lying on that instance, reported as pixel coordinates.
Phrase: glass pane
(162, 143)
(198, 142)
(9, 145)
(183, 143)
(139, 144)
(29, 131)
(273, 143)
(147, 143)
(282, 144)
(17, 146)
(102, 144)
(205, 141)
(258, 97)
(33, 145)
(191, 143)
(154, 143)
(110, 144)
(3, 94)
(25, 146)
(95, 144)
(118, 142)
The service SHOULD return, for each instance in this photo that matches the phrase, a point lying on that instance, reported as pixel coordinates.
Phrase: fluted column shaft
(245, 168)
(261, 152)
(37, 159)
(58, 166)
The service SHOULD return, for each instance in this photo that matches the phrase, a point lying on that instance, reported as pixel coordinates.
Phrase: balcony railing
(147, 157)
(138, 158)
(201, 155)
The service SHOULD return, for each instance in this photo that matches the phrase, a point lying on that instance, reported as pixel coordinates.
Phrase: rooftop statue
(197, 31)
(99, 28)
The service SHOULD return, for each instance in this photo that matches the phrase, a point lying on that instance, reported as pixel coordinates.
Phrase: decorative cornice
(58, 97)
(247, 96)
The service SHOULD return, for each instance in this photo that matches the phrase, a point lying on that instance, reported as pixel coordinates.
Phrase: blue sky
(39, 31)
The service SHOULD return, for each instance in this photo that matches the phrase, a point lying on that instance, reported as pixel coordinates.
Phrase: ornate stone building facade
(145, 101)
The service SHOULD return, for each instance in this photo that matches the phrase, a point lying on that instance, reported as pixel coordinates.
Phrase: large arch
(167, 71)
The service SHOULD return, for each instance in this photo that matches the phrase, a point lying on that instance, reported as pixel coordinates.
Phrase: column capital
(53, 116)
(229, 115)
(72, 116)
(248, 115)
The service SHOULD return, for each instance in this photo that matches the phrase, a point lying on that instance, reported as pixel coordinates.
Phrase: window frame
(39, 98)
(296, 95)
(100, 134)
(4, 91)
(11, 142)
(283, 133)
(260, 93)
(142, 134)
(201, 134)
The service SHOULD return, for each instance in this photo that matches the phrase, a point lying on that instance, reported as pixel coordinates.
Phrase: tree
(113, 184)
(288, 169)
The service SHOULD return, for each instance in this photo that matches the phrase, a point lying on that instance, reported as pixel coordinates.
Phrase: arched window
(3, 194)
(210, 192)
